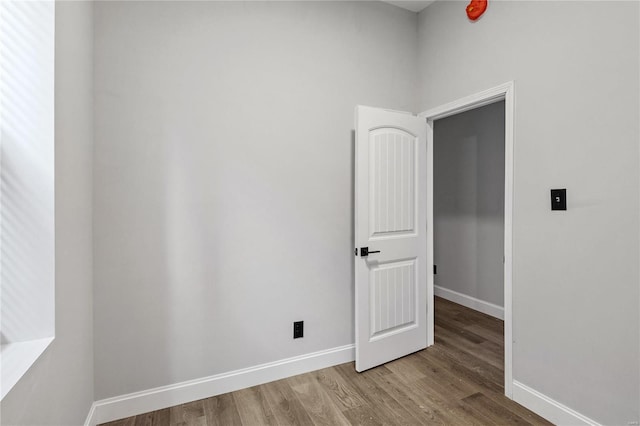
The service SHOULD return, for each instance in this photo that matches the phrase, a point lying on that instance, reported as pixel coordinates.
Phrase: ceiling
(412, 5)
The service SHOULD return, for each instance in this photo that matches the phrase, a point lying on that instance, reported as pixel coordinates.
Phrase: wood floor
(458, 381)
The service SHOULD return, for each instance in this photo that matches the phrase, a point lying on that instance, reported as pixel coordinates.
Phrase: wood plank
(405, 369)
(385, 408)
(221, 411)
(362, 416)
(462, 331)
(285, 405)
(440, 379)
(444, 361)
(524, 413)
(495, 412)
(344, 395)
(465, 374)
(154, 418)
(425, 406)
(487, 351)
(457, 314)
(144, 419)
(191, 413)
(252, 407)
(495, 336)
(129, 421)
(318, 404)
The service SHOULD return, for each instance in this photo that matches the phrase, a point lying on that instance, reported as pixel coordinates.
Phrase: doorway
(468, 216)
(468, 209)
(504, 96)
(394, 228)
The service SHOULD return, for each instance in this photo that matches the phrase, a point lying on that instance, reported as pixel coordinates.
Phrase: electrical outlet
(298, 329)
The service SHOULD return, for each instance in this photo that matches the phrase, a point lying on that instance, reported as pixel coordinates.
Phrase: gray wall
(223, 170)
(575, 276)
(468, 207)
(58, 389)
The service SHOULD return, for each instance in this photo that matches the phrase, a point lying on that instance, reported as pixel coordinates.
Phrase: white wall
(223, 178)
(468, 208)
(575, 277)
(58, 389)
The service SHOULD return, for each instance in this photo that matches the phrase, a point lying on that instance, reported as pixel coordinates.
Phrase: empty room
(319, 212)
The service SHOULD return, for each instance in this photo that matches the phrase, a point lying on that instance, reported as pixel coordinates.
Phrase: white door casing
(390, 217)
(504, 92)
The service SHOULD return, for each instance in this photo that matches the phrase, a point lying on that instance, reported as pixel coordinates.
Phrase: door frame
(503, 92)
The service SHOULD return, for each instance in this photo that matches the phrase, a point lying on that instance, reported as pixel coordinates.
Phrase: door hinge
(435, 269)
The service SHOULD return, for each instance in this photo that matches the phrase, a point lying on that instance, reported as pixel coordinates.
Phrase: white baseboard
(470, 302)
(132, 404)
(548, 408)
(115, 408)
(91, 417)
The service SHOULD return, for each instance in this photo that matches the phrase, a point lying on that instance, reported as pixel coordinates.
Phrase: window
(27, 245)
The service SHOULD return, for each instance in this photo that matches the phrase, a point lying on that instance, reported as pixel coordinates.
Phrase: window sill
(16, 359)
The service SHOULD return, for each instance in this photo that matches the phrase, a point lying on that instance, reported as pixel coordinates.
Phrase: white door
(391, 223)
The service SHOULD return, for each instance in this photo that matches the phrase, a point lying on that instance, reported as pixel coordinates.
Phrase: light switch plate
(558, 199)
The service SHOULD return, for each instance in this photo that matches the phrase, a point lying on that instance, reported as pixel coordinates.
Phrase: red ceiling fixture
(476, 8)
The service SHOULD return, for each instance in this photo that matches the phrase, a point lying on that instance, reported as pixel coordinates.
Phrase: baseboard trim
(470, 302)
(91, 417)
(548, 408)
(115, 408)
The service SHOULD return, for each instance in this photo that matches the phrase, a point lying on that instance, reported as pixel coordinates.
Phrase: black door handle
(364, 251)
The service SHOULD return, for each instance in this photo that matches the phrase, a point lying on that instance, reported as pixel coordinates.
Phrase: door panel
(393, 290)
(392, 173)
(390, 217)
